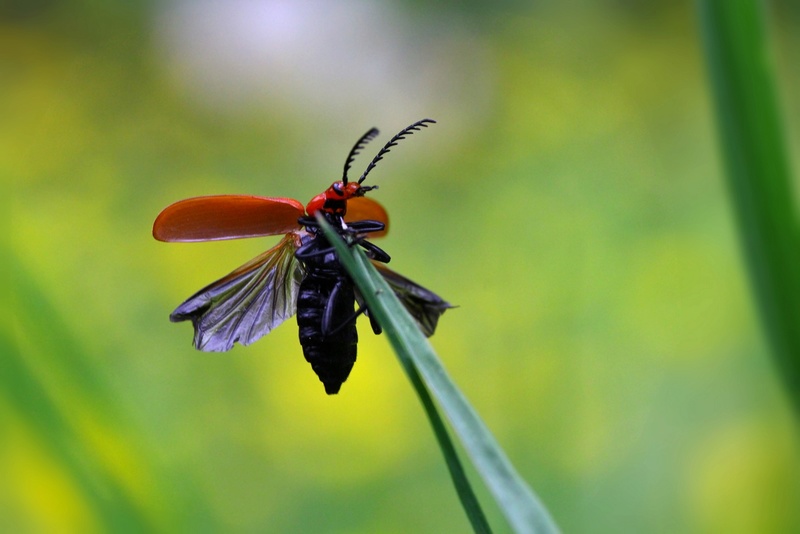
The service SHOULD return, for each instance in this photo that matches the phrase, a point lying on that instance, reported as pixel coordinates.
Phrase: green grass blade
(53, 424)
(754, 151)
(516, 499)
(34, 330)
(468, 499)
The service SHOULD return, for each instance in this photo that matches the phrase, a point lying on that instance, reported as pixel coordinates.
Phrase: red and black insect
(301, 274)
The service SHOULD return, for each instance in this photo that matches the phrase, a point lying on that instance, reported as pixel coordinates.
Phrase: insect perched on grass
(301, 274)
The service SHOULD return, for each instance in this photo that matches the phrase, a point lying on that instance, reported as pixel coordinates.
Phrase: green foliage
(756, 160)
(569, 201)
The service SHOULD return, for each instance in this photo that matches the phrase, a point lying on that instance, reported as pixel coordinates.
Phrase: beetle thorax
(334, 199)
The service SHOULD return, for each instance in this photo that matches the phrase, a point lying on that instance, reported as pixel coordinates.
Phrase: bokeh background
(570, 200)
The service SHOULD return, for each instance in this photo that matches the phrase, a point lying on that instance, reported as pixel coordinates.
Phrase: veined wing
(424, 305)
(248, 303)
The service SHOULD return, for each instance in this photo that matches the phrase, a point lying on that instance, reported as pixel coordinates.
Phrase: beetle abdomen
(333, 354)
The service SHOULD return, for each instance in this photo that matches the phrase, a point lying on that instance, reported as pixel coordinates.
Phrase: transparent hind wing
(424, 305)
(248, 303)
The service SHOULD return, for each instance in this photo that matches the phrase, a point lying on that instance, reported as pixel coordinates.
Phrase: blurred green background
(570, 201)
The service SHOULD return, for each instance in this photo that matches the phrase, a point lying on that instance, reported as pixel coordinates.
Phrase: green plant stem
(754, 151)
(468, 499)
(524, 511)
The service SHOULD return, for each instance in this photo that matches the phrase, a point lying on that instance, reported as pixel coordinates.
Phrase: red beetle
(301, 274)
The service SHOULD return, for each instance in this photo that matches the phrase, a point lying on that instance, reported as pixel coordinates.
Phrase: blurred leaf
(29, 397)
(754, 150)
(77, 419)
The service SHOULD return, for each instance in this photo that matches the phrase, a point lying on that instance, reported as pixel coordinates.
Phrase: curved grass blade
(524, 511)
(758, 171)
(468, 499)
(34, 332)
(50, 421)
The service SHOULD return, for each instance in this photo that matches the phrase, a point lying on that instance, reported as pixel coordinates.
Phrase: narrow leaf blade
(516, 499)
(754, 151)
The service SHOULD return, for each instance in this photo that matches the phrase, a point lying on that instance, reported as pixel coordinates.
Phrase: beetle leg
(374, 252)
(330, 313)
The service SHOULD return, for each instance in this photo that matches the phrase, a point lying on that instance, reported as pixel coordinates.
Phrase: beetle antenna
(403, 133)
(361, 143)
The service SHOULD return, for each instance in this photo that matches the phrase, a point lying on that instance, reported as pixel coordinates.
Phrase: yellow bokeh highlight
(355, 435)
(47, 496)
(738, 480)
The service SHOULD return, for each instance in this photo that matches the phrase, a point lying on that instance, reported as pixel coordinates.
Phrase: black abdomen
(327, 301)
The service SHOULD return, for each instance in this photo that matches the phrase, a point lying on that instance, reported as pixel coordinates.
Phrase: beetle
(301, 274)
